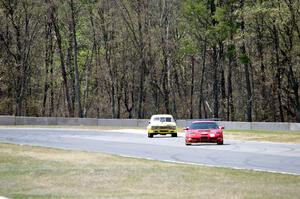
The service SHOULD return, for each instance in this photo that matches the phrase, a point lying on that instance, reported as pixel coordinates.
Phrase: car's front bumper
(162, 131)
(207, 139)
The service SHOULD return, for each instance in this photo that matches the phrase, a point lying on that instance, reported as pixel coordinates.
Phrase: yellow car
(162, 125)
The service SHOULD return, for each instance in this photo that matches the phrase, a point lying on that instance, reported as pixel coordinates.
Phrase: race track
(263, 156)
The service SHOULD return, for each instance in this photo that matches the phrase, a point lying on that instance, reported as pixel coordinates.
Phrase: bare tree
(53, 13)
(75, 49)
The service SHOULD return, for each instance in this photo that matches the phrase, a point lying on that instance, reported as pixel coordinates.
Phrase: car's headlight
(154, 127)
(173, 127)
(190, 133)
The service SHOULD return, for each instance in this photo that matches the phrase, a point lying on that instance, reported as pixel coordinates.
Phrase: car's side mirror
(222, 127)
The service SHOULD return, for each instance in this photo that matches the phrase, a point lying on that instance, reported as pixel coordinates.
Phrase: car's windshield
(165, 119)
(162, 119)
(156, 119)
(204, 125)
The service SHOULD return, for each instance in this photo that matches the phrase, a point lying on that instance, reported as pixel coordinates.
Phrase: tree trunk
(201, 100)
(61, 55)
(222, 79)
(278, 72)
(230, 111)
(192, 87)
(48, 50)
(263, 91)
(166, 56)
(248, 86)
(141, 102)
(75, 48)
(51, 110)
(214, 65)
(246, 70)
(232, 63)
(70, 68)
(215, 83)
(295, 88)
(88, 66)
(107, 36)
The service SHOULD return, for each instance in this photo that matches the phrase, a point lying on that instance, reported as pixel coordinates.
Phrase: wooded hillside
(231, 59)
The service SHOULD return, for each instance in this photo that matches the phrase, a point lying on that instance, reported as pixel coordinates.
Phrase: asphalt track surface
(261, 156)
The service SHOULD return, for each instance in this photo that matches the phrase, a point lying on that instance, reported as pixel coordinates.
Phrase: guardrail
(61, 121)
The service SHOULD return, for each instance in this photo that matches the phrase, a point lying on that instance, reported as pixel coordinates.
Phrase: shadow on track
(208, 144)
(162, 136)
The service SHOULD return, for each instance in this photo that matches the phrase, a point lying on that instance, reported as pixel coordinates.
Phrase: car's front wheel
(220, 143)
(150, 135)
(174, 134)
(187, 144)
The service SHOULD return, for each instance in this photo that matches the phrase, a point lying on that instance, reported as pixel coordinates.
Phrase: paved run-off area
(265, 156)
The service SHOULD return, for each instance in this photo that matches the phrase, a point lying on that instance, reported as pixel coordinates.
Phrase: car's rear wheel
(150, 135)
(174, 134)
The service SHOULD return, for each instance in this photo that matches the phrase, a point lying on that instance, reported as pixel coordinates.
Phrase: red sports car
(204, 131)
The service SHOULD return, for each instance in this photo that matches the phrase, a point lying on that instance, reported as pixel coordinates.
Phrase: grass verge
(34, 172)
(270, 136)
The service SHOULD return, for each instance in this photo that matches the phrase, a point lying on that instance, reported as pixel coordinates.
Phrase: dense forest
(238, 60)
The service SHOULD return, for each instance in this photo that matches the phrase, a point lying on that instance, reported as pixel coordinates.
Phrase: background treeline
(229, 59)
